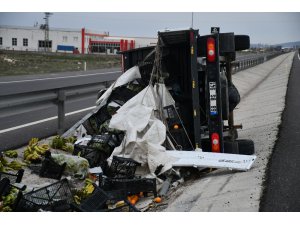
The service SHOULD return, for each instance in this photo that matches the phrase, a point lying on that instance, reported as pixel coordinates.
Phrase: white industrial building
(82, 41)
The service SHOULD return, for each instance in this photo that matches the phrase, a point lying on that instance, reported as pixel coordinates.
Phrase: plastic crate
(122, 168)
(55, 197)
(94, 203)
(51, 169)
(120, 188)
(97, 203)
(13, 178)
(4, 185)
(5, 188)
(94, 156)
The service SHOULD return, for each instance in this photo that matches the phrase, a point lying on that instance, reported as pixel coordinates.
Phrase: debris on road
(34, 152)
(11, 153)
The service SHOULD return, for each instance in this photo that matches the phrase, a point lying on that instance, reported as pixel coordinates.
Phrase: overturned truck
(173, 106)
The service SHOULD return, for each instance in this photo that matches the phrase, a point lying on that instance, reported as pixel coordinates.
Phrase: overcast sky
(266, 28)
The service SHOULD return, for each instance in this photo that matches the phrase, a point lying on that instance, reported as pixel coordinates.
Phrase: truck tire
(246, 146)
(226, 43)
(233, 96)
(242, 42)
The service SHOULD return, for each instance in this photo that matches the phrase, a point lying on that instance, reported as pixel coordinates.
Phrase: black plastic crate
(55, 197)
(97, 203)
(51, 169)
(121, 188)
(94, 203)
(4, 185)
(13, 178)
(5, 188)
(122, 167)
(94, 156)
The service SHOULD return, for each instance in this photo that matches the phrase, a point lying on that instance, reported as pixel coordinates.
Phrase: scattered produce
(68, 147)
(76, 166)
(57, 142)
(34, 152)
(11, 153)
(3, 163)
(133, 199)
(65, 144)
(157, 200)
(9, 200)
(86, 191)
(16, 165)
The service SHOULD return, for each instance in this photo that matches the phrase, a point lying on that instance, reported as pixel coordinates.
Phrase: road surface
(16, 126)
(282, 192)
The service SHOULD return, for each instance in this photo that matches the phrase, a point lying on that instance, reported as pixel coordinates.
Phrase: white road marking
(55, 78)
(43, 120)
(298, 56)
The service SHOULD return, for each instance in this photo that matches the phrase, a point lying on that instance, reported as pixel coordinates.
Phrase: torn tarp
(78, 129)
(128, 76)
(145, 133)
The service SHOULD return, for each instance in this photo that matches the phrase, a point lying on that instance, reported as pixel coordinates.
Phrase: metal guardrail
(58, 95)
(14, 99)
(243, 64)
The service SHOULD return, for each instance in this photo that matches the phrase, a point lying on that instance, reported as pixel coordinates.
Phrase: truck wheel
(242, 42)
(226, 43)
(233, 96)
(246, 147)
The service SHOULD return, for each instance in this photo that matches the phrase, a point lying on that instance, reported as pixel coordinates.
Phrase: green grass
(25, 63)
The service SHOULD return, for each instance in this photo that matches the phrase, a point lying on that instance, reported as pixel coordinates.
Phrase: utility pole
(46, 27)
(192, 19)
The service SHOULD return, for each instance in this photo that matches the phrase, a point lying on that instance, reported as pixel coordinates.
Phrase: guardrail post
(61, 111)
(84, 65)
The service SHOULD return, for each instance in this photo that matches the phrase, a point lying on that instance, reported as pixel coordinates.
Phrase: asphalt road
(13, 136)
(282, 191)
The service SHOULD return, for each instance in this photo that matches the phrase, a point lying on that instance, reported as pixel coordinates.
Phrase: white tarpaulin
(145, 134)
(78, 129)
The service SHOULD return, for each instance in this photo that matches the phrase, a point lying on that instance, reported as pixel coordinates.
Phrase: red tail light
(215, 142)
(211, 49)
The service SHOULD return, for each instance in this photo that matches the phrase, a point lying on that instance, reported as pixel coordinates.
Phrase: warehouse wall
(139, 41)
(71, 38)
(60, 36)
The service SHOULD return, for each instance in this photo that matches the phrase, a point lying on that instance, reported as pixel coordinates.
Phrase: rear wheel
(242, 42)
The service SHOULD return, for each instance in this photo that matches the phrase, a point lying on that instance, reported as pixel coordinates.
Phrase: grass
(25, 63)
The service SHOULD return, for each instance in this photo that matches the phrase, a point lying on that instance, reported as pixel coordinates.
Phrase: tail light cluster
(215, 142)
(211, 49)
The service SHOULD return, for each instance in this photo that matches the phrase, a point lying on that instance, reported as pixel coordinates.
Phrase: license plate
(213, 98)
